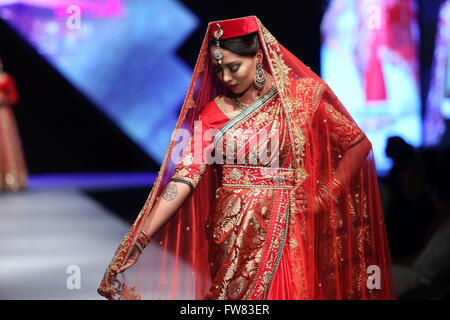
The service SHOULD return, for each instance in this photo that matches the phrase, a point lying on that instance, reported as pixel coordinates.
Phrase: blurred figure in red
(13, 171)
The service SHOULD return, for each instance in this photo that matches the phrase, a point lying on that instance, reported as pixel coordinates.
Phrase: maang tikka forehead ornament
(218, 54)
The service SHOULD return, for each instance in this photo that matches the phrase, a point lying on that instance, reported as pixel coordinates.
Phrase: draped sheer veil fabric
(242, 232)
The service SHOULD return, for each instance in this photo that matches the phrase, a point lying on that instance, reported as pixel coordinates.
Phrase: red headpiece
(233, 27)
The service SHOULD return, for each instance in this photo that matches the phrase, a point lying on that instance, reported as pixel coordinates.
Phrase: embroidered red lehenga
(242, 233)
(13, 171)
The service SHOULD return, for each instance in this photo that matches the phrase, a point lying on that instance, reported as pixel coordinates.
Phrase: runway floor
(68, 226)
(49, 235)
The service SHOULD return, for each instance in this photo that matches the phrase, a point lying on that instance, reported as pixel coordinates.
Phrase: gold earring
(260, 77)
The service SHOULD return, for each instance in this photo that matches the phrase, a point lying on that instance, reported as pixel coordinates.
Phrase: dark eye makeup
(235, 68)
(232, 69)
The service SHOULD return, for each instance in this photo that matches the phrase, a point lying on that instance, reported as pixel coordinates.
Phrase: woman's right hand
(132, 259)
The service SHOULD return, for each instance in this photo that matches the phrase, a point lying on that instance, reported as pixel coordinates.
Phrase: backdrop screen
(120, 53)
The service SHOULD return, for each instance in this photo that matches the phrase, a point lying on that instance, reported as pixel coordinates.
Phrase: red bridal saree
(242, 233)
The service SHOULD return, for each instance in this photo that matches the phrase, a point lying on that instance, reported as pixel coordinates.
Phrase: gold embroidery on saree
(346, 133)
(239, 231)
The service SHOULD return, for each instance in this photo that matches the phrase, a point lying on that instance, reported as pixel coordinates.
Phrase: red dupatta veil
(338, 240)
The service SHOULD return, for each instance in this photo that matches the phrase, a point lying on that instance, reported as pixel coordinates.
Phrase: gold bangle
(144, 241)
(138, 246)
(336, 184)
(141, 242)
(319, 201)
(147, 237)
(324, 192)
(337, 189)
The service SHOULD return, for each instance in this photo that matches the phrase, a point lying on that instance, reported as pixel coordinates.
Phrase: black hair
(246, 45)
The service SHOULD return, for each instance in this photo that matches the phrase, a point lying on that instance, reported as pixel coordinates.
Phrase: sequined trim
(183, 181)
(283, 241)
(244, 176)
(273, 250)
(221, 107)
(319, 89)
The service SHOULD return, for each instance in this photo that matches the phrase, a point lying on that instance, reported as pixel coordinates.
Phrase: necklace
(238, 104)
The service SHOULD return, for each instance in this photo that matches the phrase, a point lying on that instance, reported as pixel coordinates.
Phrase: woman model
(13, 171)
(268, 189)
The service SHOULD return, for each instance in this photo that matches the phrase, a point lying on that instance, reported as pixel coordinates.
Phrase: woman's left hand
(300, 198)
(301, 201)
